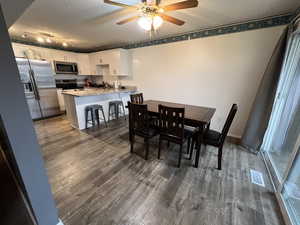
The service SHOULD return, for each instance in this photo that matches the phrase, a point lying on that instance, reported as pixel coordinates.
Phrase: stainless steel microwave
(65, 67)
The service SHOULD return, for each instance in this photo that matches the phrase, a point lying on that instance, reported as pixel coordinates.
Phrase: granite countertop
(97, 91)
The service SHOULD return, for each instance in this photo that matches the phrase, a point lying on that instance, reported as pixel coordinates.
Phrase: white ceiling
(91, 23)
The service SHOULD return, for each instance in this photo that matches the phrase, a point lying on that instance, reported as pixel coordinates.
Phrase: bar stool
(116, 112)
(94, 112)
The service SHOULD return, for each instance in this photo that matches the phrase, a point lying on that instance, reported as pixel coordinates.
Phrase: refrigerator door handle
(34, 86)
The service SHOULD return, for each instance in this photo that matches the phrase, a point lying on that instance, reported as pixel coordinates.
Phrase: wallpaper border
(251, 25)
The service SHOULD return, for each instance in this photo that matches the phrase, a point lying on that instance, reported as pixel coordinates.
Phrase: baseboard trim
(60, 222)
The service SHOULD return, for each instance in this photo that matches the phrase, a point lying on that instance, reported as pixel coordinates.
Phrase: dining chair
(171, 128)
(215, 138)
(137, 98)
(139, 124)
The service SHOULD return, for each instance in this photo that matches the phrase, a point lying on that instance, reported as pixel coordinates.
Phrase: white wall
(215, 72)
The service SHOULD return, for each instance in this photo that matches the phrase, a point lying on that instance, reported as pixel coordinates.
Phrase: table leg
(198, 146)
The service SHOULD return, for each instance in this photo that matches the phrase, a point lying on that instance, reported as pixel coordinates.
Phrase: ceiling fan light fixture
(145, 22)
(157, 21)
(161, 10)
(40, 39)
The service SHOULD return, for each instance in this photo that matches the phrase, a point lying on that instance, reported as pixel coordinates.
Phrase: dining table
(194, 116)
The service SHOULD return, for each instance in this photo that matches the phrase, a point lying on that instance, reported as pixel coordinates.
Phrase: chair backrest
(138, 117)
(228, 122)
(137, 98)
(171, 121)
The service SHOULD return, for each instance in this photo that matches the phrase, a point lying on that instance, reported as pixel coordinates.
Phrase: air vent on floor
(257, 178)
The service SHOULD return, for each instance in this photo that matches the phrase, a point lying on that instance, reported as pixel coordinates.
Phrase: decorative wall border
(251, 25)
(221, 30)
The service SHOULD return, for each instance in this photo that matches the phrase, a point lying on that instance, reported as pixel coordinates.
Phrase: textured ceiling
(89, 24)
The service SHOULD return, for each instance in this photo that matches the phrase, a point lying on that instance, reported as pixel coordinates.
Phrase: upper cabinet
(83, 64)
(114, 62)
(18, 50)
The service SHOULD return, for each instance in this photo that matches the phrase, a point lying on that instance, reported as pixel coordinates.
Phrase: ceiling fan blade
(120, 4)
(181, 5)
(128, 20)
(172, 19)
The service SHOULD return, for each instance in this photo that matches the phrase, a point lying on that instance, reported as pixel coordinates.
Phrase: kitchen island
(77, 100)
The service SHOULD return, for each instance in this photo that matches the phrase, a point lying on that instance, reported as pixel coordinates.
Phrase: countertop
(97, 91)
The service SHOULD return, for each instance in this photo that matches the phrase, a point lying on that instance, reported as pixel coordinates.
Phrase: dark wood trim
(233, 140)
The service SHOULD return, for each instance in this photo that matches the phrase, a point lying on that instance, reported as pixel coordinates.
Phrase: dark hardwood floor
(95, 180)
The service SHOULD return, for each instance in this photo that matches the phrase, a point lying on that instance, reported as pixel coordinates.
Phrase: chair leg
(86, 118)
(131, 143)
(168, 144)
(117, 111)
(192, 149)
(198, 150)
(123, 111)
(180, 155)
(97, 117)
(104, 118)
(220, 158)
(159, 148)
(93, 117)
(188, 145)
(109, 110)
(147, 148)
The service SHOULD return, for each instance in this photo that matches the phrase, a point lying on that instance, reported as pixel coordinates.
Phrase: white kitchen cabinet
(32, 52)
(46, 54)
(18, 50)
(95, 59)
(120, 62)
(65, 56)
(92, 59)
(102, 58)
(83, 64)
(117, 60)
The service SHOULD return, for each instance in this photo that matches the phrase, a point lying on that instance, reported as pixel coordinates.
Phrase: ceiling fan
(152, 14)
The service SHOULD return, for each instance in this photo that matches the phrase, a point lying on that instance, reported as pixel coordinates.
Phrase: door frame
(279, 184)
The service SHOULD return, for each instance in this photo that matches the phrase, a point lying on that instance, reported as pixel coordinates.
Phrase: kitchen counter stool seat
(116, 105)
(93, 110)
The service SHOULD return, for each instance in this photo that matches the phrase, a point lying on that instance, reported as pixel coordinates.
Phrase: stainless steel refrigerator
(39, 86)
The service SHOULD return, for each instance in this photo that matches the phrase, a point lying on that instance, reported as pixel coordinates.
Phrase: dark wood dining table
(195, 116)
